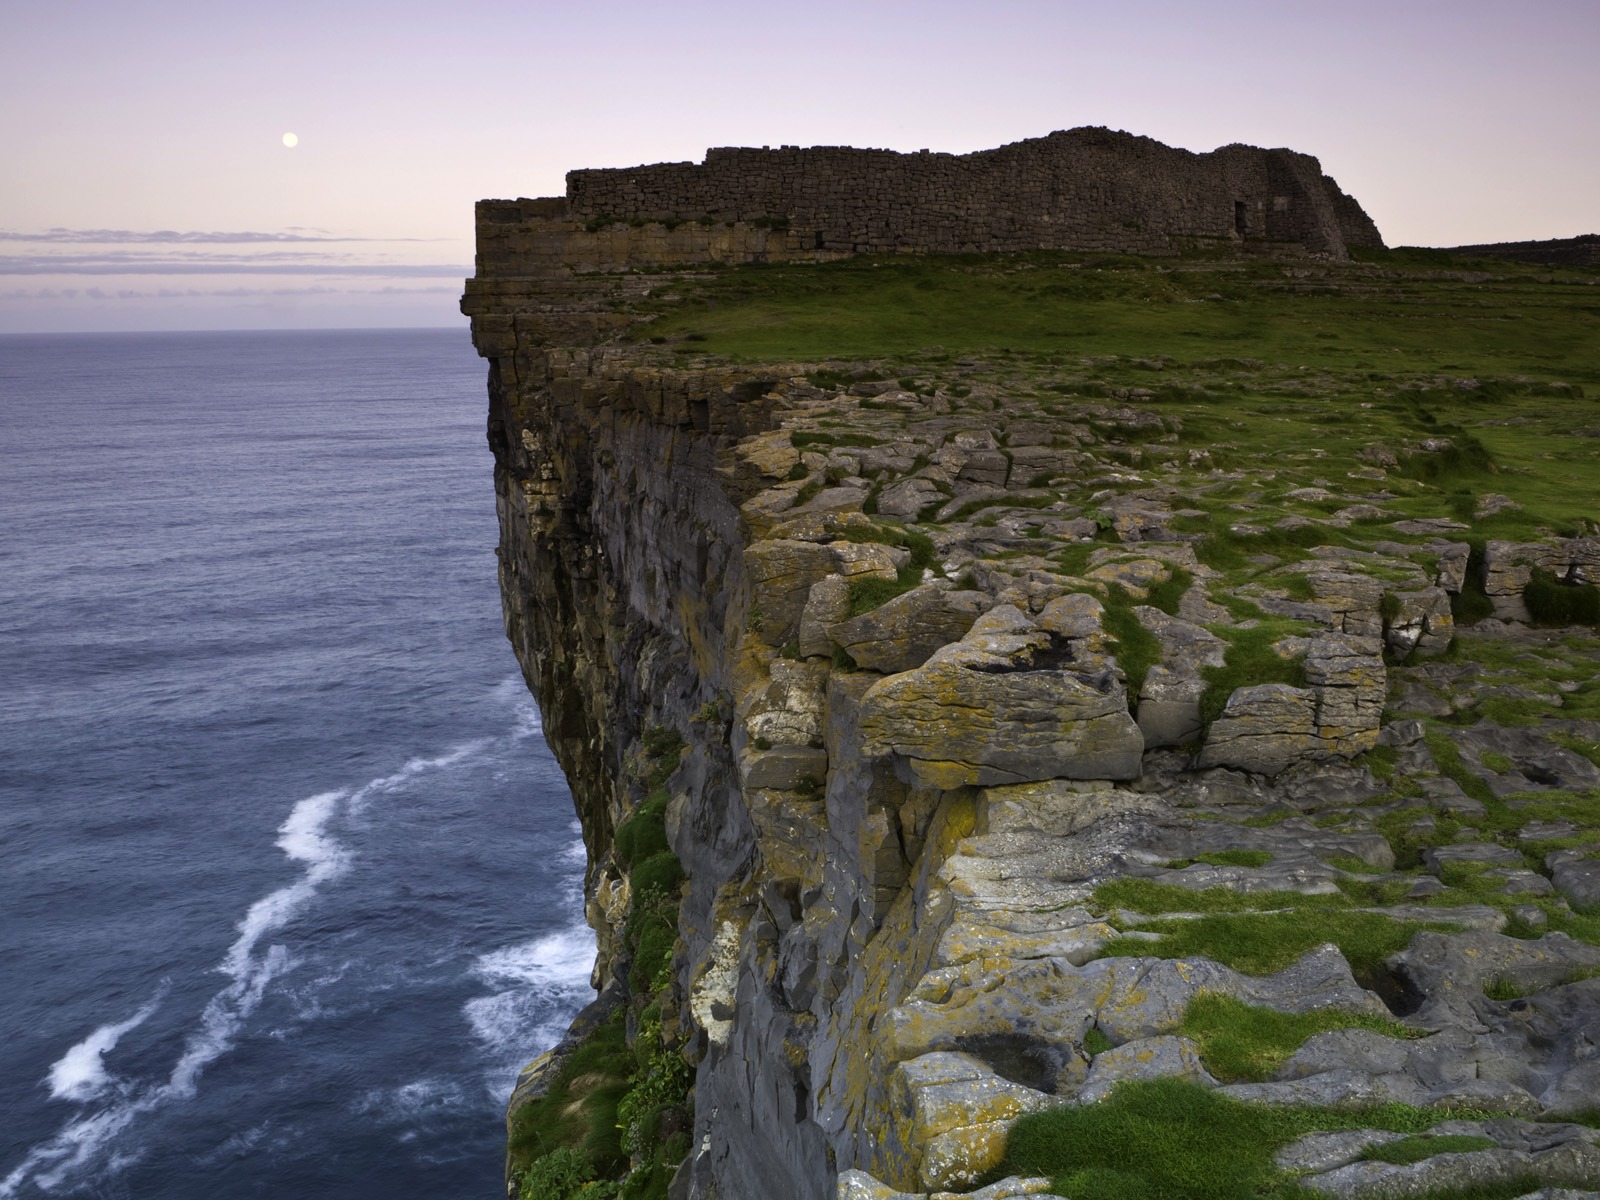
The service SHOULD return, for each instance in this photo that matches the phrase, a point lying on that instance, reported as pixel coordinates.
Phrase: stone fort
(1087, 189)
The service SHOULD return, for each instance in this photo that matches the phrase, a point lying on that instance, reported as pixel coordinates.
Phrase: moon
(290, 140)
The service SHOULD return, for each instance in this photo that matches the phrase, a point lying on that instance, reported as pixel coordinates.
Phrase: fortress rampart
(1082, 189)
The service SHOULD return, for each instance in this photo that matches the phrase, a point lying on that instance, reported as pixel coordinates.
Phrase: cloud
(267, 263)
(231, 293)
(173, 237)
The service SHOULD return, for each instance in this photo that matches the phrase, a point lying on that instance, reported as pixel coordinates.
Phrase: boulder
(826, 605)
(1009, 703)
(1166, 1056)
(903, 633)
(1267, 727)
(780, 572)
(1576, 875)
(1169, 698)
(1263, 729)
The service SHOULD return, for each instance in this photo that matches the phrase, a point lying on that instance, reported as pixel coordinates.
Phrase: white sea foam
(539, 987)
(80, 1074)
(513, 692)
(305, 837)
(416, 1103)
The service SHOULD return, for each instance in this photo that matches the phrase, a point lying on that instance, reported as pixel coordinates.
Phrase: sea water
(289, 883)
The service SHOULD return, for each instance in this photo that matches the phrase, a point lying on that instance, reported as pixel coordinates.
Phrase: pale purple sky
(127, 129)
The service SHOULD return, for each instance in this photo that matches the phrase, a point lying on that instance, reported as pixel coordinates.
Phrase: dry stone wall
(1082, 189)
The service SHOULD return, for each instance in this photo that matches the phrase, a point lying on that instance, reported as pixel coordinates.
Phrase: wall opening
(1241, 218)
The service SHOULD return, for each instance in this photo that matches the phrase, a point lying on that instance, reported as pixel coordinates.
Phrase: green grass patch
(802, 439)
(1169, 1140)
(1152, 899)
(1136, 649)
(1168, 593)
(1381, 761)
(1448, 758)
(1498, 763)
(1259, 943)
(1249, 660)
(1504, 987)
(1418, 1147)
(868, 594)
(1241, 1042)
(579, 1110)
(1235, 858)
(1555, 602)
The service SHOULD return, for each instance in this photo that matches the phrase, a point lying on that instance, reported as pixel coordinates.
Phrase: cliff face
(982, 672)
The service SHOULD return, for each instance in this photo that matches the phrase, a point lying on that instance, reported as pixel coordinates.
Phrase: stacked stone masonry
(1082, 189)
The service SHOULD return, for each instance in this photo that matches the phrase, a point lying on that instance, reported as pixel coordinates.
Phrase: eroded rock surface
(997, 729)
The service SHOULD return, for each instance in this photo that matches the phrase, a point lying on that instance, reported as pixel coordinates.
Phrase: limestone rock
(827, 603)
(1574, 1164)
(790, 709)
(781, 572)
(1163, 1057)
(1576, 876)
(1003, 705)
(1325, 1151)
(903, 633)
(1169, 698)
(1265, 728)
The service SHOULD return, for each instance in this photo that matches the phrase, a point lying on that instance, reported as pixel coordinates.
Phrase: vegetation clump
(1170, 1140)
(614, 1122)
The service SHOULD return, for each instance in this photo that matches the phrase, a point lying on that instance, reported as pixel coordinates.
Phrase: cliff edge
(1109, 690)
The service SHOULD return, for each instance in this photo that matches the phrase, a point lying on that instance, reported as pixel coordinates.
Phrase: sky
(145, 184)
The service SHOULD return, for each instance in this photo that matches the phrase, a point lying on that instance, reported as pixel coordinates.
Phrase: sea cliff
(972, 728)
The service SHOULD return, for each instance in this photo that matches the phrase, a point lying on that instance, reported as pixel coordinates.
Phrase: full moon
(290, 140)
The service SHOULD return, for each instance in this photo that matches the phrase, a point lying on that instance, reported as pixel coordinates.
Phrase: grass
(1103, 305)
(1555, 602)
(1418, 1147)
(1171, 1140)
(1244, 1042)
(1250, 659)
(579, 1110)
(868, 594)
(1260, 943)
(1136, 649)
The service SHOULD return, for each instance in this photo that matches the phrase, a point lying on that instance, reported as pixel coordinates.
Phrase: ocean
(290, 886)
